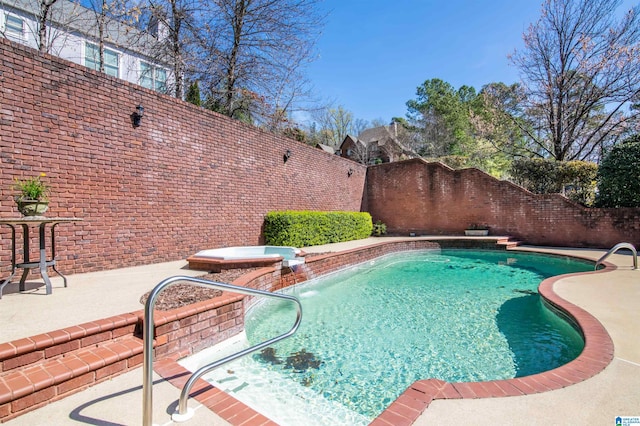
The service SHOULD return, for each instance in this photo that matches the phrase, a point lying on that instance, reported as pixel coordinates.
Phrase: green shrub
(619, 176)
(536, 174)
(574, 179)
(310, 228)
(379, 228)
(454, 161)
(578, 180)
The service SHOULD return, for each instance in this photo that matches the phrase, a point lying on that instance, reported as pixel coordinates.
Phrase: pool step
(290, 402)
(40, 369)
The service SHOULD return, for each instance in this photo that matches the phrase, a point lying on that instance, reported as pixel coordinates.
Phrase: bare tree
(178, 25)
(359, 125)
(581, 74)
(360, 152)
(252, 46)
(100, 9)
(43, 19)
(371, 153)
(284, 96)
(114, 12)
(334, 125)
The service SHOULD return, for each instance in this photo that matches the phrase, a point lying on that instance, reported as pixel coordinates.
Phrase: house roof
(326, 148)
(380, 134)
(351, 139)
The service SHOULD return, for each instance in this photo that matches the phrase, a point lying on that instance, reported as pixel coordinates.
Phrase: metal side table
(43, 262)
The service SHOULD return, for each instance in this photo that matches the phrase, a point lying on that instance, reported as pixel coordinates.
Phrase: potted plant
(477, 230)
(33, 197)
(379, 228)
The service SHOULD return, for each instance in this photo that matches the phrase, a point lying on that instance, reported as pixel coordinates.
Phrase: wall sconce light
(350, 172)
(137, 115)
(286, 155)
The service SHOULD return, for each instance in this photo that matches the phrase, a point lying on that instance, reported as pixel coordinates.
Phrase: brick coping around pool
(37, 370)
(405, 410)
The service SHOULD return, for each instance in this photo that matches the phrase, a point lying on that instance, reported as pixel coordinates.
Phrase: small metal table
(27, 263)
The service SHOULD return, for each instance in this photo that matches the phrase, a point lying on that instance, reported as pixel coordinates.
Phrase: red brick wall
(185, 180)
(432, 199)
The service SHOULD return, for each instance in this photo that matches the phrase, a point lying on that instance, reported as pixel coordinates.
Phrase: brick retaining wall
(432, 199)
(187, 179)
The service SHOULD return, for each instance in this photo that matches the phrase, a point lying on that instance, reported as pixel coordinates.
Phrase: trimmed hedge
(310, 228)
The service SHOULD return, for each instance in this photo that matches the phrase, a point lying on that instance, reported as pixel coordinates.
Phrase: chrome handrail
(615, 249)
(148, 334)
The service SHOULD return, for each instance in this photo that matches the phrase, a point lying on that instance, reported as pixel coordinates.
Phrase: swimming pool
(454, 315)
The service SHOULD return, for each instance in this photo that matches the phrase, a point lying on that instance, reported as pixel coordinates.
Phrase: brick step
(36, 349)
(508, 243)
(37, 370)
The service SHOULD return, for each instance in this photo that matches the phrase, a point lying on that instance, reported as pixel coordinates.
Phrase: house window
(14, 26)
(153, 77)
(92, 59)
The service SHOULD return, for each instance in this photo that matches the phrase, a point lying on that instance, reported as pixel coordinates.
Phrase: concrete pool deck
(612, 297)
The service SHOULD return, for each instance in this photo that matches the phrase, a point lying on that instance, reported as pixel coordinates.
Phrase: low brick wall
(40, 369)
(188, 330)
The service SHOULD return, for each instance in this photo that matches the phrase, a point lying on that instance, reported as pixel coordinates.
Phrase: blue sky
(373, 54)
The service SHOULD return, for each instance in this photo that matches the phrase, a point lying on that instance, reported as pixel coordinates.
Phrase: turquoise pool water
(457, 315)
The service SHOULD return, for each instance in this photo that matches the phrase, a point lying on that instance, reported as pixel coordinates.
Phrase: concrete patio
(612, 297)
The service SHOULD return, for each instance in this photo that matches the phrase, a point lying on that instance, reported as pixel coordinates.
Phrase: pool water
(371, 331)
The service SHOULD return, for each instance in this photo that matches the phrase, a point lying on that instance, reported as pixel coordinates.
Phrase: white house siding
(70, 43)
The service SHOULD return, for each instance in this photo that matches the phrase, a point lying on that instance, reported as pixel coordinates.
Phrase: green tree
(619, 175)
(499, 119)
(193, 94)
(441, 115)
(452, 125)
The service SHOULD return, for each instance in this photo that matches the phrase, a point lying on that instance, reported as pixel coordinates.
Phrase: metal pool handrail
(615, 249)
(148, 334)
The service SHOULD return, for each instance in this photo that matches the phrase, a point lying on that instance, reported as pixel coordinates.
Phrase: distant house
(326, 148)
(72, 34)
(376, 145)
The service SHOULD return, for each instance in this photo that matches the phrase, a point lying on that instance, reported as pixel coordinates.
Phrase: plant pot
(476, 232)
(32, 207)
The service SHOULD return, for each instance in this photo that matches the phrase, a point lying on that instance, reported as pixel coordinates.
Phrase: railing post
(617, 247)
(147, 356)
(148, 335)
